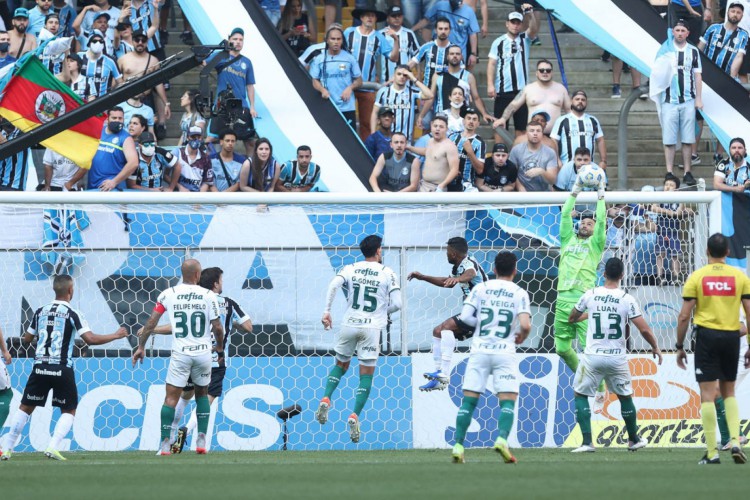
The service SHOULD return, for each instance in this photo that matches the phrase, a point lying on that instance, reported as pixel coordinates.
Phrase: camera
(229, 109)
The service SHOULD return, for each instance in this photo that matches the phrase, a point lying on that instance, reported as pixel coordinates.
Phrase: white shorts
(4, 376)
(365, 341)
(182, 367)
(593, 368)
(502, 367)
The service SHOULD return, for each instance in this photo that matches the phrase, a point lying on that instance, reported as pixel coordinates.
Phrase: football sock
(505, 422)
(17, 423)
(192, 423)
(463, 419)
(708, 415)
(447, 346)
(179, 410)
(630, 416)
(167, 417)
(64, 423)
(437, 353)
(203, 413)
(363, 392)
(333, 380)
(6, 396)
(733, 419)
(570, 358)
(601, 387)
(721, 416)
(583, 415)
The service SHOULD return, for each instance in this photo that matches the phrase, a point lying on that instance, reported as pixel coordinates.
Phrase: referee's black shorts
(716, 354)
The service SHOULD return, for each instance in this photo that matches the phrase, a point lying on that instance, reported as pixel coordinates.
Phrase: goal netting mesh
(277, 262)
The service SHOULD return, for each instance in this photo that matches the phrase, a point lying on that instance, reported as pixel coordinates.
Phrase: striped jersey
(291, 177)
(190, 308)
(56, 326)
(466, 172)
(149, 174)
(682, 87)
(230, 313)
(572, 132)
(732, 175)
(311, 53)
(433, 57)
(722, 45)
(408, 46)
(441, 101)
(53, 63)
(469, 263)
(100, 73)
(80, 87)
(512, 56)
(367, 49)
(142, 18)
(14, 170)
(404, 105)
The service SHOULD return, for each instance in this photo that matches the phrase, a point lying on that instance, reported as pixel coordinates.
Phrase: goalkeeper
(580, 255)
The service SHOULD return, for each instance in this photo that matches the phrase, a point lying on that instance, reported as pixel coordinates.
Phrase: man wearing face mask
(100, 25)
(5, 57)
(197, 173)
(116, 158)
(21, 41)
(152, 163)
(100, 69)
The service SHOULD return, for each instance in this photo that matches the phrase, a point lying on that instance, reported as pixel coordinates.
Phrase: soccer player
(466, 273)
(610, 309)
(55, 325)
(372, 294)
(193, 313)
(6, 392)
(499, 312)
(715, 292)
(580, 255)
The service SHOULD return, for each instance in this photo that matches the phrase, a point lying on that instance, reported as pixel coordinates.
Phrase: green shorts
(565, 331)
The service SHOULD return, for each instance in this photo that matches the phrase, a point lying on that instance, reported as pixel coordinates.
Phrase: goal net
(277, 259)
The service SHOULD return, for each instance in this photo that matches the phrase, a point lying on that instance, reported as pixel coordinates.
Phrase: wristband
(679, 346)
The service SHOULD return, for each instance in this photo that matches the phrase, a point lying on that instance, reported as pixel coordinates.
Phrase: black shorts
(244, 131)
(745, 66)
(717, 353)
(45, 377)
(463, 331)
(520, 117)
(215, 386)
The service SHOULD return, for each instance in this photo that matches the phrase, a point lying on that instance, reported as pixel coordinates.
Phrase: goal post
(278, 252)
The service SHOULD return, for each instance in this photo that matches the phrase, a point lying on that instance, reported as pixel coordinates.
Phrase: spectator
(21, 41)
(58, 172)
(116, 158)
(190, 116)
(579, 129)
(38, 15)
(499, 174)
(295, 27)
(79, 84)
(440, 158)
(91, 14)
(725, 45)
(485, 28)
(54, 63)
(336, 75)
(310, 54)
(137, 126)
(153, 163)
(617, 68)
(396, 170)
(272, 8)
(464, 26)
(537, 163)
(401, 97)
(100, 24)
(227, 164)
(523, 6)
(240, 78)
(407, 43)
(261, 172)
(668, 234)
(544, 94)
(134, 106)
(196, 173)
(367, 45)
(299, 175)
(14, 170)
(434, 55)
(692, 13)
(680, 100)
(471, 151)
(379, 142)
(123, 39)
(542, 117)
(506, 79)
(745, 25)
(5, 57)
(566, 178)
(67, 15)
(454, 113)
(100, 69)
(143, 16)
(414, 11)
(733, 174)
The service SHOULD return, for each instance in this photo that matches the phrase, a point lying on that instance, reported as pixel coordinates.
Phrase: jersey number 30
(195, 324)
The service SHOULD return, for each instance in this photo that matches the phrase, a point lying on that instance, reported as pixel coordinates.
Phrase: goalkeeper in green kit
(580, 255)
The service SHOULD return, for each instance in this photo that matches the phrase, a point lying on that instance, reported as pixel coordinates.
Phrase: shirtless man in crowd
(441, 158)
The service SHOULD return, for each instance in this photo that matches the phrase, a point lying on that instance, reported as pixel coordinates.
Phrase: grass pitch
(409, 474)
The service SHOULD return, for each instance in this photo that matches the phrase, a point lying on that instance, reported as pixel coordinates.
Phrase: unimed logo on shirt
(718, 286)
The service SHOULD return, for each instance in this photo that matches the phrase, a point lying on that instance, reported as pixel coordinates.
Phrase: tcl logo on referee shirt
(718, 286)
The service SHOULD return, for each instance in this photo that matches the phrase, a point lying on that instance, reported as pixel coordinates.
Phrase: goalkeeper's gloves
(601, 189)
(577, 188)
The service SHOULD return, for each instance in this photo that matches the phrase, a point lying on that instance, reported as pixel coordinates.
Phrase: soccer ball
(591, 176)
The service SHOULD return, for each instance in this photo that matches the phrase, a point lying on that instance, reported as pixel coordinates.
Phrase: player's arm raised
(336, 283)
(599, 235)
(648, 335)
(566, 219)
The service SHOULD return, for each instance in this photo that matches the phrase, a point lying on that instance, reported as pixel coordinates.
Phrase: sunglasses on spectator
(544, 70)
(140, 40)
(148, 144)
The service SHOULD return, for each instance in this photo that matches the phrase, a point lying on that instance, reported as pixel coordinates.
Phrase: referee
(715, 291)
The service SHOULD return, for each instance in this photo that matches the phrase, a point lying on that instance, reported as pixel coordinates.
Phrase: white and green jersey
(190, 308)
(497, 304)
(610, 310)
(368, 286)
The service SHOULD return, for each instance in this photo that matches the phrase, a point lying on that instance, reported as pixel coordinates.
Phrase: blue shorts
(669, 245)
(678, 122)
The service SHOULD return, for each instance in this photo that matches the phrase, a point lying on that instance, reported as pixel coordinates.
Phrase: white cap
(195, 131)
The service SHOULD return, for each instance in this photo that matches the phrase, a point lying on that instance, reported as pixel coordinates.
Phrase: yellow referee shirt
(718, 290)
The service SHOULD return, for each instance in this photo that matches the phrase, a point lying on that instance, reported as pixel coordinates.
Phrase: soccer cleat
(164, 448)
(738, 455)
(641, 443)
(179, 443)
(728, 445)
(433, 375)
(200, 444)
(584, 448)
(321, 415)
(709, 461)
(458, 454)
(53, 454)
(599, 400)
(353, 423)
(6, 455)
(434, 385)
(501, 446)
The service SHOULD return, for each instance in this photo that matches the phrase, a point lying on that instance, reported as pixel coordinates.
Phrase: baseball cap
(683, 23)
(385, 110)
(395, 10)
(542, 113)
(101, 14)
(195, 131)
(515, 16)
(139, 34)
(737, 139)
(736, 4)
(96, 34)
(146, 137)
(499, 148)
(21, 12)
(579, 92)
(236, 31)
